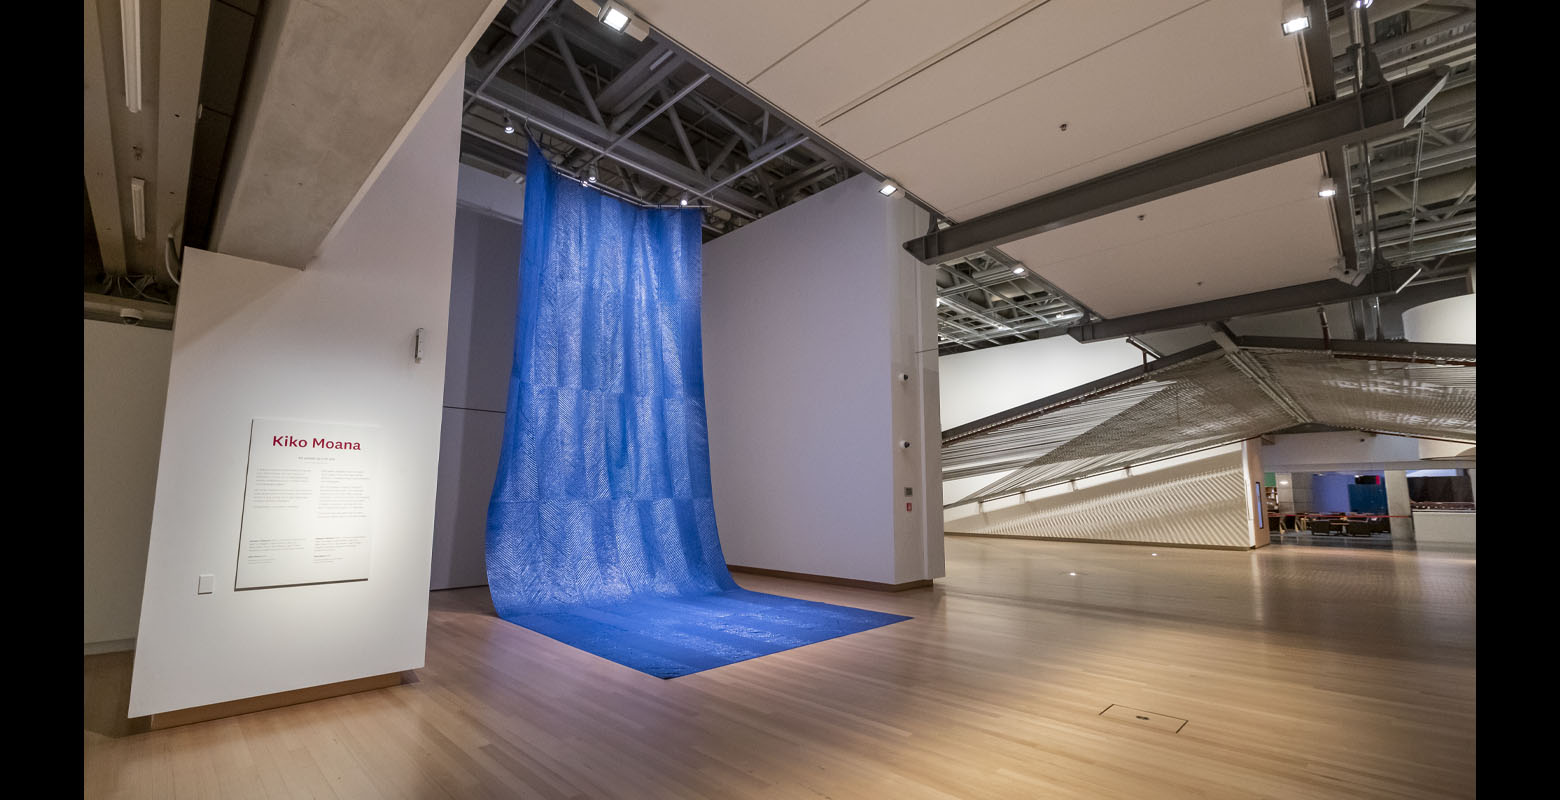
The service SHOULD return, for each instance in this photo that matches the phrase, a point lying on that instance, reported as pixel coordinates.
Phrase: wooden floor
(1303, 672)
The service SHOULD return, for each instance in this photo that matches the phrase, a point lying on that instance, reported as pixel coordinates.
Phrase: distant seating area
(1344, 524)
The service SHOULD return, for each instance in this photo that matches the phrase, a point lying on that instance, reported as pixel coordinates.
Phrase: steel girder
(1276, 141)
(1378, 282)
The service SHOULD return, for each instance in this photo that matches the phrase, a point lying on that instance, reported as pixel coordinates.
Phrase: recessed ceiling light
(1074, 574)
(615, 16)
(887, 188)
(1153, 554)
(1296, 25)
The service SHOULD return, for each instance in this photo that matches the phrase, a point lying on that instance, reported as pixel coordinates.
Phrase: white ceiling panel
(1259, 231)
(1032, 45)
(962, 102)
(743, 37)
(875, 46)
(1119, 159)
(1216, 68)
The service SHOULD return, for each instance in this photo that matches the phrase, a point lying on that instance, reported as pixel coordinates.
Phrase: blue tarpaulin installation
(601, 530)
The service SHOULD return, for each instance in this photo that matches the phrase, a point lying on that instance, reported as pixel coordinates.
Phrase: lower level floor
(1302, 672)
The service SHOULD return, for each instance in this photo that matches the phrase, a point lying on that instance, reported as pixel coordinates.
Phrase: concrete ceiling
(963, 103)
(333, 87)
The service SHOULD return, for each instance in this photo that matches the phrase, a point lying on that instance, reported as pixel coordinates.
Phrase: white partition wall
(1198, 500)
(483, 296)
(979, 383)
(329, 343)
(811, 315)
(124, 384)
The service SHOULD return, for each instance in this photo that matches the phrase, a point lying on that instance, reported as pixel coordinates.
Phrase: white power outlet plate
(205, 584)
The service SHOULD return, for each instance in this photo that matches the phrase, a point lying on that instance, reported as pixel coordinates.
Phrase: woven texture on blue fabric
(601, 528)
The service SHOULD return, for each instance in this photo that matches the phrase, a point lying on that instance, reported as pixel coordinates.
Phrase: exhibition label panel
(306, 503)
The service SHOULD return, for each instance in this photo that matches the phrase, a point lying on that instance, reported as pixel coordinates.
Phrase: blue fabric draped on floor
(601, 531)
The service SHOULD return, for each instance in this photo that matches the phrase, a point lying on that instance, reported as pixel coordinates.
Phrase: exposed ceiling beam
(1378, 282)
(1253, 369)
(1305, 132)
(632, 84)
(513, 100)
(183, 47)
(97, 143)
(524, 27)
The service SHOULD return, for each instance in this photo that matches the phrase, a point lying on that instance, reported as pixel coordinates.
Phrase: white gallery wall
(333, 343)
(980, 383)
(484, 293)
(124, 383)
(1453, 320)
(810, 316)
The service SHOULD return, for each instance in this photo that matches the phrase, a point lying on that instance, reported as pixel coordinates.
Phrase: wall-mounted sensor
(417, 351)
(130, 316)
(904, 445)
(904, 376)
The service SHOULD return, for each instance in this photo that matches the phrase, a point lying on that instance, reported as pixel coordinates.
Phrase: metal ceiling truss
(989, 299)
(1218, 393)
(643, 118)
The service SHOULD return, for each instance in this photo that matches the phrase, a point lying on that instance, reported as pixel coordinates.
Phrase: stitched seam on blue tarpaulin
(601, 528)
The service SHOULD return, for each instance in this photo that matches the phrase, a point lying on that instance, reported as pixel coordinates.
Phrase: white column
(1256, 509)
(1398, 506)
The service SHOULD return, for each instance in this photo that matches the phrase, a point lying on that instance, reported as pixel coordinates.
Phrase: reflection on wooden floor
(1301, 672)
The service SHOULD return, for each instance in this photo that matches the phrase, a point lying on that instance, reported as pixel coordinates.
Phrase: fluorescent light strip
(138, 207)
(130, 43)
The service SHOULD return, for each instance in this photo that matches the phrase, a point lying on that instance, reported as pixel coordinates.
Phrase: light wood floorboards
(1302, 672)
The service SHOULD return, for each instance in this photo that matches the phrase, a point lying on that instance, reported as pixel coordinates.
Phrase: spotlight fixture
(590, 173)
(1328, 188)
(682, 201)
(1363, 3)
(138, 207)
(1074, 574)
(1019, 270)
(509, 125)
(1153, 554)
(1295, 17)
(887, 188)
(130, 34)
(615, 15)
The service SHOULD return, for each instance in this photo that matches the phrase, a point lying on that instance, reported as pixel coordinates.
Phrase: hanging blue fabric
(601, 529)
